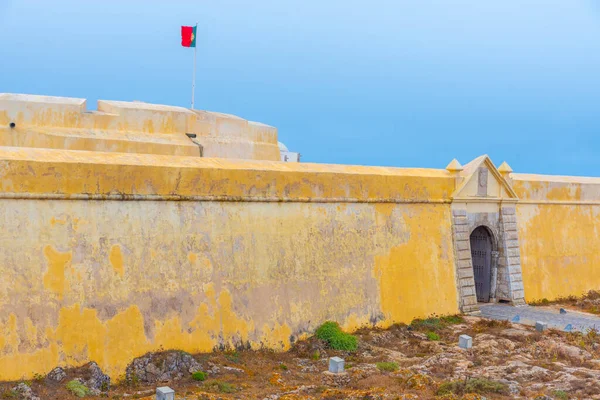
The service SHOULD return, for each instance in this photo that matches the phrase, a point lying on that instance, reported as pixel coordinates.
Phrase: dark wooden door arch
(481, 256)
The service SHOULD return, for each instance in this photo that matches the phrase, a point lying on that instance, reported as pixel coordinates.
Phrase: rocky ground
(589, 302)
(420, 361)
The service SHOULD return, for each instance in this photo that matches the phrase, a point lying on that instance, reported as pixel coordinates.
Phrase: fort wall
(131, 127)
(140, 227)
(107, 256)
(559, 229)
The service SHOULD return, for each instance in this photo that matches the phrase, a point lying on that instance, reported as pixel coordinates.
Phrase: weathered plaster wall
(131, 127)
(257, 253)
(559, 230)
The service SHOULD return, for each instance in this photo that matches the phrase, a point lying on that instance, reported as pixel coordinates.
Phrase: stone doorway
(481, 258)
(485, 235)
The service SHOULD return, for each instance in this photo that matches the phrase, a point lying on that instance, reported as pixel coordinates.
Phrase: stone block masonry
(510, 275)
(466, 283)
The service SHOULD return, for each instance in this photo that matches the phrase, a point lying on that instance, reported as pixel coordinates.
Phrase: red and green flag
(188, 36)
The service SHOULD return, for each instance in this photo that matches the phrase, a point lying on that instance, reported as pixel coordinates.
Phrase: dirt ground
(419, 361)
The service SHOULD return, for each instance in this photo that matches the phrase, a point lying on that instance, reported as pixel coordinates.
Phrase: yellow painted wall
(286, 247)
(559, 232)
(131, 127)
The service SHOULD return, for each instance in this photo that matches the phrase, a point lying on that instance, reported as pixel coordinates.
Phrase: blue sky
(398, 83)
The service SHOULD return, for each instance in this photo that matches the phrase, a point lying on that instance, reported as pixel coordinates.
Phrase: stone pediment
(480, 180)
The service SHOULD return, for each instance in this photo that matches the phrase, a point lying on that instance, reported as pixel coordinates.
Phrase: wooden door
(481, 255)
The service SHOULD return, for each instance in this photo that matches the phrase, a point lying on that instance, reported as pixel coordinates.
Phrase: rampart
(108, 256)
(559, 228)
(131, 127)
(114, 249)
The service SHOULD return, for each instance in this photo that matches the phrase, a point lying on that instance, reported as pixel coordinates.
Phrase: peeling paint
(116, 260)
(55, 279)
(204, 275)
(559, 235)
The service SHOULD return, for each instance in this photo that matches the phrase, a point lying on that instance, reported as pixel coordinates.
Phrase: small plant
(435, 323)
(540, 302)
(477, 385)
(387, 366)
(485, 324)
(134, 380)
(316, 355)
(283, 367)
(225, 387)
(430, 324)
(78, 388)
(452, 319)
(199, 376)
(561, 395)
(433, 336)
(233, 356)
(337, 339)
(10, 394)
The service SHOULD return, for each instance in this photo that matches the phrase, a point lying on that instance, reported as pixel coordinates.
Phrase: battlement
(131, 127)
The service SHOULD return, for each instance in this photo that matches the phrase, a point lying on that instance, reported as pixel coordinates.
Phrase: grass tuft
(225, 387)
(477, 385)
(387, 366)
(78, 388)
(435, 323)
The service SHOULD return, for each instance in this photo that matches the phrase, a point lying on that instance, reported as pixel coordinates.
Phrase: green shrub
(328, 330)
(477, 385)
(433, 336)
(337, 339)
(316, 355)
(78, 388)
(344, 341)
(387, 366)
(199, 376)
(283, 367)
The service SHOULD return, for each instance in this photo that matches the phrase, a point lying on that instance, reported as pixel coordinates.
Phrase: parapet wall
(131, 127)
(559, 229)
(109, 256)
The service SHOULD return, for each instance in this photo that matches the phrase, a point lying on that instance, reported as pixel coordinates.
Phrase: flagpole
(194, 72)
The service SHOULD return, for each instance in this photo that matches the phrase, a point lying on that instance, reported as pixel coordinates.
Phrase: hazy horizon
(408, 84)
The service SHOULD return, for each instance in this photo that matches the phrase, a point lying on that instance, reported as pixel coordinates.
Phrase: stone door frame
(484, 197)
(506, 276)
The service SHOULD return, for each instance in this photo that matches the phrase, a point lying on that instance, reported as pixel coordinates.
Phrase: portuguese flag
(188, 36)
